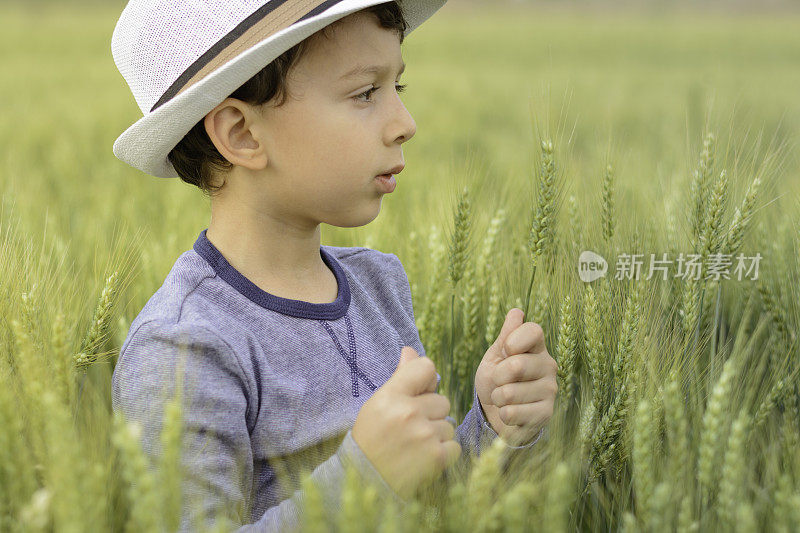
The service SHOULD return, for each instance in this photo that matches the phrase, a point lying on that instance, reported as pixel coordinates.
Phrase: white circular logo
(591, 266)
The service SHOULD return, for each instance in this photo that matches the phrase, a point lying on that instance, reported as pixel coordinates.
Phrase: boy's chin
(357, 218)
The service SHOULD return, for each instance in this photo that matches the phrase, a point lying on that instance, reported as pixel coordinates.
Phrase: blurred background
(633, 84)
(636, 84)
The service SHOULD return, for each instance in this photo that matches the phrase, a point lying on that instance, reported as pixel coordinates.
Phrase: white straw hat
(181, 58)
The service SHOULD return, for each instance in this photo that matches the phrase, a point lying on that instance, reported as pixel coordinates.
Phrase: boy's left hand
(516, 381)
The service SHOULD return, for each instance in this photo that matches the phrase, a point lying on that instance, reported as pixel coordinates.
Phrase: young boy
(294, 356)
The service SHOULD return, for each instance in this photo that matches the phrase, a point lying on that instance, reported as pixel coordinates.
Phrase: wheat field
(541, 134)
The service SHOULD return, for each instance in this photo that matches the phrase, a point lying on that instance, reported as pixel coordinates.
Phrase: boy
(291, 348)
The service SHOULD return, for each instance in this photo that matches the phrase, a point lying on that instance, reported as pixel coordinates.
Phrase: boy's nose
(406, 125)
(412, 127)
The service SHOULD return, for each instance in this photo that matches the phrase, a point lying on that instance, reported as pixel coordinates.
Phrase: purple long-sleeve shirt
(270, 384)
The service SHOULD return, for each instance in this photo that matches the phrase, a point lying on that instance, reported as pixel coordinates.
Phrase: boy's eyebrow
(363, 70)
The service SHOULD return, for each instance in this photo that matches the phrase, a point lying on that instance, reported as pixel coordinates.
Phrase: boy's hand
(402, 429)
(516, 381)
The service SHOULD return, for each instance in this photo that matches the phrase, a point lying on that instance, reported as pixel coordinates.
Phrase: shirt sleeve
(217, 458)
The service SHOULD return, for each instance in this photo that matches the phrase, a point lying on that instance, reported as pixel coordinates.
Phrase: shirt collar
(286, 306)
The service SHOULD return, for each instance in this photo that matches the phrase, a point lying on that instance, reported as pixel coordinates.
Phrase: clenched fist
(516, 381)
(402, 428)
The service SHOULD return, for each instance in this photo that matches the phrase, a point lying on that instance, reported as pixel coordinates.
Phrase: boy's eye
(368, 92)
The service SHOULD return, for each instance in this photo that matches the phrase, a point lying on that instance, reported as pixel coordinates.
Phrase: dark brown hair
(197, 160)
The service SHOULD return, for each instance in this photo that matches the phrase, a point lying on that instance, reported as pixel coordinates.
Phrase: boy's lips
(392, 171)
(386, 183)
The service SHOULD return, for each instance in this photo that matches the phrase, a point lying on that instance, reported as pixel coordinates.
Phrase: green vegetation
(679, 401)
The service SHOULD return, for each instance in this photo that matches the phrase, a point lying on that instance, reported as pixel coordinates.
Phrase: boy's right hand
(401, 427)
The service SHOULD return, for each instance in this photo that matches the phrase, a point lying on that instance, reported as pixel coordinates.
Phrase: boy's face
(326, 144)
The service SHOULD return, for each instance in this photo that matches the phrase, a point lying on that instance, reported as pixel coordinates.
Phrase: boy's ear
(230, 126)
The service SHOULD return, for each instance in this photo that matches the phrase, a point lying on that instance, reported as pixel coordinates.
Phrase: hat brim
(146, 143)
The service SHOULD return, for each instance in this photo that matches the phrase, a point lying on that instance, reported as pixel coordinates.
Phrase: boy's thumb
(417, 382)
(407, 354)
(514, 319)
